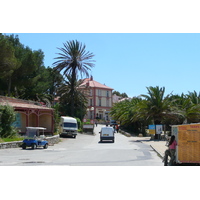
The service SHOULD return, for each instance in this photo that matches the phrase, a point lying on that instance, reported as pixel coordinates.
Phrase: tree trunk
(72, 91)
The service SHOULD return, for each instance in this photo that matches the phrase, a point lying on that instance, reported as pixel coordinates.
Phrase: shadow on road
(29, 148)
(107, 141)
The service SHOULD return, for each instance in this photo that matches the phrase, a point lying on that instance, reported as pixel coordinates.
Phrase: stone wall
(52, 140)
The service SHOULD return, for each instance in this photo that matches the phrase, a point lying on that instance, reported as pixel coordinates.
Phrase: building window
(107, 102)
(91, 104)
(99, 102)
(91, 92)
(99, 92)
(107, 93)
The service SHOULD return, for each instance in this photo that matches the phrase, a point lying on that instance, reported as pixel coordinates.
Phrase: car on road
(113, 122)
(107, 133)
(68, 126)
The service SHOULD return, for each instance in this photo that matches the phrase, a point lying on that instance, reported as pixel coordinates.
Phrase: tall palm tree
(80, 99)
(155, 105)
(74, 60)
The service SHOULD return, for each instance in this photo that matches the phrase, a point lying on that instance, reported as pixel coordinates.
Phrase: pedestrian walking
(170, 151)
(117, 128)
(114, 128)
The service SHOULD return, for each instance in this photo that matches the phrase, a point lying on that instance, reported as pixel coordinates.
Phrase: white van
(107, 133)
(68, 126)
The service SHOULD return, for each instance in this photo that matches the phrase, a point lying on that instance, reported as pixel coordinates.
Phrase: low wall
(51, 140)
(125, 133)
(7, 145)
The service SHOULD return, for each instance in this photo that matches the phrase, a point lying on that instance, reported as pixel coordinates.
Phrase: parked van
(68, 126)
(107, 133)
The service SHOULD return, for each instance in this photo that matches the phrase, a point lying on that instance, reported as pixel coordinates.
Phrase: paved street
(85, 150)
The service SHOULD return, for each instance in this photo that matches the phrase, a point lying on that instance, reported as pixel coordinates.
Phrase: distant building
(99, 99)
(116, 98)
(30, 113)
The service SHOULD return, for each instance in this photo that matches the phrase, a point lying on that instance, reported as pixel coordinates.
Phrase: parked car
(68, 126)
(35, 138)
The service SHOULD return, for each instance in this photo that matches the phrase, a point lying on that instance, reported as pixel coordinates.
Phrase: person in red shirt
(170, 151)
(117, 128)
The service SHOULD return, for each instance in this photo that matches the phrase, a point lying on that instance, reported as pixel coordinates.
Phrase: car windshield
(70, 125)
(34, 131)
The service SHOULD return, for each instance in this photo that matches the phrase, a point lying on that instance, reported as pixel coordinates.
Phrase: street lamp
(92, 108)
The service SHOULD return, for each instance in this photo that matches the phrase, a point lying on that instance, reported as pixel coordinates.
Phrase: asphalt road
(85, 150)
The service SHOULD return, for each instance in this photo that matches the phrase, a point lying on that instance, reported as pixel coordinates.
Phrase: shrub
(79, 123)
(7, 117)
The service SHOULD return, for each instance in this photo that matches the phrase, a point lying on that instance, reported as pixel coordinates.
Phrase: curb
(125, 133)
(156, 151)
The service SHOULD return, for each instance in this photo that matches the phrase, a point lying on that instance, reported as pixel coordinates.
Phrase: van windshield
(70, 125)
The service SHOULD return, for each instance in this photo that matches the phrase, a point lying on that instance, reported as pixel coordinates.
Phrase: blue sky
(130, 62)
(137, 44)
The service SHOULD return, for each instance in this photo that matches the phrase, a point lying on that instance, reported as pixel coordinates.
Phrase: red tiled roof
(92, 83)
(19, 103)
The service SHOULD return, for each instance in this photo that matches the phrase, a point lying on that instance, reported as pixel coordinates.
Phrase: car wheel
(45, 146)
(34, 146)
(74, 136)
(23, 146)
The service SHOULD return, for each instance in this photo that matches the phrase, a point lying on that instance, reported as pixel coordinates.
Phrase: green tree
(55, 81)
(123, 95)
(30, 74)
(155, 105)
(126, 112)
(7, 117)
(186, 107)
(79, 102)
(22, 70)
(8, 64)
(72, 60)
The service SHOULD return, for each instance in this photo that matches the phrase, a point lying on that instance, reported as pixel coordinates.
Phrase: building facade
(29, 113)
(99, 99)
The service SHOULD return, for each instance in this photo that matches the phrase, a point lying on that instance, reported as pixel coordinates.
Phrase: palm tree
(80, 100)
(126, 112)
(72, 60)
(194, 97)
(187, 107)
(155, 105)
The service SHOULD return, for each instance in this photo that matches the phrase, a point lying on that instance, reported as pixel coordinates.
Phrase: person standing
(170, 151)
(117, 128)
(114, 127)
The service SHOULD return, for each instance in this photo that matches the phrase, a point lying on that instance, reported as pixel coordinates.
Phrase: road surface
(85, 150)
